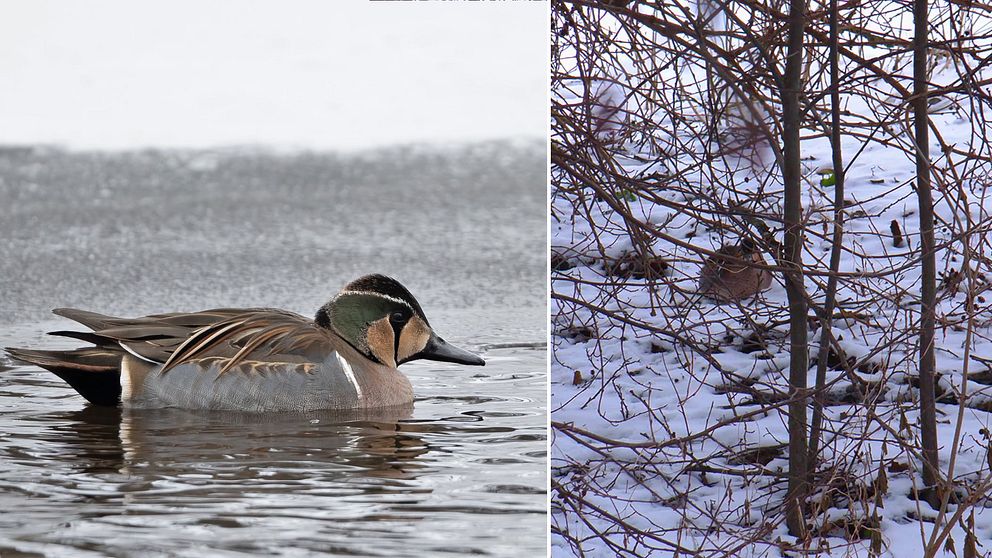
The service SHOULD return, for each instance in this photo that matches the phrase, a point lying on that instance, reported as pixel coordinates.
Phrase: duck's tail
(93, 371)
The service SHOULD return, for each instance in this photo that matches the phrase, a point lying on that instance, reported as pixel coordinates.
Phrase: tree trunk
(837, 240)
(793, 259)
(928, 418)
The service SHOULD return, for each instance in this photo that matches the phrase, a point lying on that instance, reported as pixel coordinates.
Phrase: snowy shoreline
(669, 431)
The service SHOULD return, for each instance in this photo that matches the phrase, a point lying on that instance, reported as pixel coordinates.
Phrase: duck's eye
(397, 317)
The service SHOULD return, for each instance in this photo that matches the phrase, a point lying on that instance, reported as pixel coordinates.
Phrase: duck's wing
(226, 337)
(152, 338)
(265, 336)
(235, 334)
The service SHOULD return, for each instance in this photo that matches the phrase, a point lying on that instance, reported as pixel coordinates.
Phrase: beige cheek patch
(379, 338)
(413, 339)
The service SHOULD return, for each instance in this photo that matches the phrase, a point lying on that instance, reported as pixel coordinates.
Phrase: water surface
(461, 472)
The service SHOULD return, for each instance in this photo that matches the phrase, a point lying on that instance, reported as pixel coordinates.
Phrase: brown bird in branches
(726, 279)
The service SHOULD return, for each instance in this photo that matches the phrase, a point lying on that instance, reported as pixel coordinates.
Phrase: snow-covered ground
(668, 436)
(341, 75)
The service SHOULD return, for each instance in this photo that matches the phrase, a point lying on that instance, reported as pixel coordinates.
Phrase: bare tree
(757, 138)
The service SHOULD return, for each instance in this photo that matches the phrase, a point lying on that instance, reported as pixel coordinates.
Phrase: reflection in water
(160, 441)
(311, 448)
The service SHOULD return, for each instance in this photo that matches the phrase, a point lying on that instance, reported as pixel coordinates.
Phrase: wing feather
(201, 342)
(258, 339)
(233, 334)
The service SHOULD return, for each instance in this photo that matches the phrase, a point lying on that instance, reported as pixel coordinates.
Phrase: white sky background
(321, 74)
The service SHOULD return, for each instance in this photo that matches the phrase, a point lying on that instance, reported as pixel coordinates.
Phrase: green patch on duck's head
(379, 317)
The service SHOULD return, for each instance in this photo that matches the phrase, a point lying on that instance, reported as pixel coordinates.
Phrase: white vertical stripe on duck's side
(127, 394)
(134, 372)
(346, 368)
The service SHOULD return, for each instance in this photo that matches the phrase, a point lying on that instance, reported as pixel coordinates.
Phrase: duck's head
(377, 316)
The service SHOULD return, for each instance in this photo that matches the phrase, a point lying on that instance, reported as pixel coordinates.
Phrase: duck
(725, 279)
(255, 359)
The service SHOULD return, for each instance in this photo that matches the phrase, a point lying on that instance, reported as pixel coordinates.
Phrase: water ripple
(92, 481)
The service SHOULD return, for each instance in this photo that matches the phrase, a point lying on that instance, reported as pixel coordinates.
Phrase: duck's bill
(439, 349)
